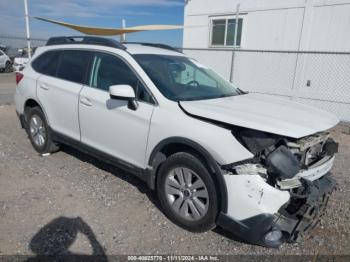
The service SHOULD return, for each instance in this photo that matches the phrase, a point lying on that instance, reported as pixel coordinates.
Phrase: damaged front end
(288, 181)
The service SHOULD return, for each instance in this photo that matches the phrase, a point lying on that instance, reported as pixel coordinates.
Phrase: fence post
(304, 39)
(232, 65)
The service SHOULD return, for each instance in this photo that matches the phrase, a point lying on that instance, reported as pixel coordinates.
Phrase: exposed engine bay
(285, 162)
(298, 166)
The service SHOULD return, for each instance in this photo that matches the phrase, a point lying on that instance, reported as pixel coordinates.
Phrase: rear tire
(187, 192)
(39, 132)
(7, 67)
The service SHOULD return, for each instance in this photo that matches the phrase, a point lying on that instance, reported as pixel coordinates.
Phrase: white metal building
(291, 48)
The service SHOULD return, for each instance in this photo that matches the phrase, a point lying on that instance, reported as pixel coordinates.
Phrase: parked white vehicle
(255, 165)
(19, 63)
(5, 62)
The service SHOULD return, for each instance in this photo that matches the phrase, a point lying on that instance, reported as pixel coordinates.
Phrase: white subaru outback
(254, 165)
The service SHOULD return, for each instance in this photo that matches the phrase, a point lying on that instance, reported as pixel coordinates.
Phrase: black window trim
(42, 54)
(154, 103)
(88, 69)
(84, 80)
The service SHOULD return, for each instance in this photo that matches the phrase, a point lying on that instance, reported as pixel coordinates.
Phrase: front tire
(187, 192)
(39, 132)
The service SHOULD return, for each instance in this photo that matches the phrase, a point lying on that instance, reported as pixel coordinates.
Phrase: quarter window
(223, 32)
(73, 65)
(108, 70)
(47, 63)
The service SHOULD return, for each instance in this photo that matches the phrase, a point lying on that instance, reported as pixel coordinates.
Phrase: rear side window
(47, 63)
(73, 65)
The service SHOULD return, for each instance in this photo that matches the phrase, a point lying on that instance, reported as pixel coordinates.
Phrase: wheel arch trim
(40, 105)
(154, 161)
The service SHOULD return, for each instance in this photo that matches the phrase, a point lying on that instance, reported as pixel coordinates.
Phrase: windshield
(182, 79)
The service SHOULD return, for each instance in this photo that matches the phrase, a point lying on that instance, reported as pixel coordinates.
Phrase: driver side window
(108, 70)
(186, 74)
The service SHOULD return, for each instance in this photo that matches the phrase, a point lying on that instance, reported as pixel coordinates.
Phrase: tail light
(19, 77)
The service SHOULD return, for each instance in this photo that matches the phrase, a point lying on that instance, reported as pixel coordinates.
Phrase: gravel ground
(69, 202)
(7, 81)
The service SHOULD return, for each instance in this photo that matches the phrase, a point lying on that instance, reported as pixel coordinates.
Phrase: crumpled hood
(264, 113)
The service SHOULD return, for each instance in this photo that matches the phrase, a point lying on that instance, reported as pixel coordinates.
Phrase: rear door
(58, 90)
(109, 125)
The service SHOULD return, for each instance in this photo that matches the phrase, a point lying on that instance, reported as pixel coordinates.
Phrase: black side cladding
(283, 162)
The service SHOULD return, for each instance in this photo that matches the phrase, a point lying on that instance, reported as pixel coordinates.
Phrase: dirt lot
(69, 201)
(6, 88)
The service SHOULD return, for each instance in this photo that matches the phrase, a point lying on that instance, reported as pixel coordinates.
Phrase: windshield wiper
(242, 92)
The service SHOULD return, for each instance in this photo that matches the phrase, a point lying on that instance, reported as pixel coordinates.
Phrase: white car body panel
(26, 89)
(59, 97)
(218, 141)
(264, 113)
(121, 132)
(250, 195)
(19, 63)
(3, 59)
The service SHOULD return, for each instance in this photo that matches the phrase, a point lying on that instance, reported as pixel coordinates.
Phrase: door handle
(85, 101)
(43, 86)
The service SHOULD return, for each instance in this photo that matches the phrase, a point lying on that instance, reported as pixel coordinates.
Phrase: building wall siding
(319, 79)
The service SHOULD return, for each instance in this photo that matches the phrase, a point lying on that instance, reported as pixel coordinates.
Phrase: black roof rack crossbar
(162, 46)
(88, 40)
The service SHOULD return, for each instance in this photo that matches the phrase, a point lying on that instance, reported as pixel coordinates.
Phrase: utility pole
(27, 28)
(123, 36)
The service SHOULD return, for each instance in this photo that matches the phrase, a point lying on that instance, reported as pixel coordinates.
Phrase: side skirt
(143, 174)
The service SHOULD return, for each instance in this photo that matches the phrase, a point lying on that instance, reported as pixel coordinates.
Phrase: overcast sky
(99, 13)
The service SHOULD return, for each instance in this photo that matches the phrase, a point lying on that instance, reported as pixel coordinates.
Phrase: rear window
(47, 63)
(73, 65)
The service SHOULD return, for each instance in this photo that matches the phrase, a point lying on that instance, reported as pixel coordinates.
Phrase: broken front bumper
(305, 208)
(256, 209)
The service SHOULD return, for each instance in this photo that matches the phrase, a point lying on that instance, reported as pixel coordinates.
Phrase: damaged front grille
(315, 155)
(309, 149)
(283, 161)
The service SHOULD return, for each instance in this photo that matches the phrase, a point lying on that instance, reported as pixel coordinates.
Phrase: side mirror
(124, 92)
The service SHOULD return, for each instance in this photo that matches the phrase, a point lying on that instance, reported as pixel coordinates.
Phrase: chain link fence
(12, 44)
(320, 79)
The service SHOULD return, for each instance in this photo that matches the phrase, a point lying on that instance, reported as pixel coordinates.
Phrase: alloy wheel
(187, 194)
(37, 131)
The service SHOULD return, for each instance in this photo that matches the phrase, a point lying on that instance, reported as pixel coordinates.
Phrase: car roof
(135, 48)
(95, 42)
(131, 48)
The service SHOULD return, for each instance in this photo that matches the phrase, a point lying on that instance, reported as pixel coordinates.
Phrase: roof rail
(162, 46)
(87, 40)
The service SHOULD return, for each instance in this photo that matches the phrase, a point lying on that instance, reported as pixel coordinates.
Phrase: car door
(58, 90)
(107, 124)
